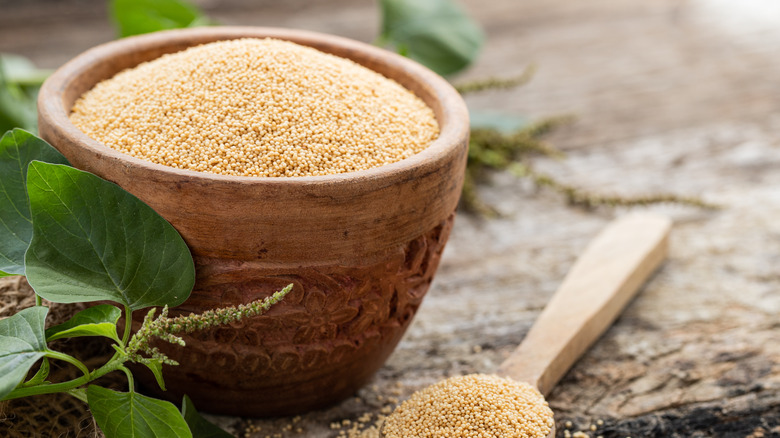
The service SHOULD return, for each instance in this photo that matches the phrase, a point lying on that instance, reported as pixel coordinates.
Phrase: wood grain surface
(670, 96)
(605, 277)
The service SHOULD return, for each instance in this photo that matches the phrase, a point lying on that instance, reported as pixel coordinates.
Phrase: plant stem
(493, 83)
(128, 326)
(113, 364)
(70, 359)
(380, 41)
(130, 382)
(31, 80)
(577, 196)
(38, 300)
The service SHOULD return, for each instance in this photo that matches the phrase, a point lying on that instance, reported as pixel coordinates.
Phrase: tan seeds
(256, 107)
(472, 406)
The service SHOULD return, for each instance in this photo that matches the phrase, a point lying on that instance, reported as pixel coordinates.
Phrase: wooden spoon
(594, 292)
(596, 289)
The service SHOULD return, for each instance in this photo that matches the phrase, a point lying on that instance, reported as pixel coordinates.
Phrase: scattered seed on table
(256, 107)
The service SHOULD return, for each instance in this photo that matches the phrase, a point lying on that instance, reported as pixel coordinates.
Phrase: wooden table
(670, 96)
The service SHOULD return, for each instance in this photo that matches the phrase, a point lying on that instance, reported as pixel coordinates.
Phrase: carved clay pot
(360, 248)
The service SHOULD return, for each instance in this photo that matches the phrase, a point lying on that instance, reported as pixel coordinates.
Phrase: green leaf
(143, 16)
(79, 393)
(94, 241)
(501, 122)
(41, 375)
(21, 71)
(15, 66)
(436, 33)
(17, 101)
(17, 149)
(22, 343)
(155, 366)
(200, 427)
(132, 415)
(16, 110)
(99, 320)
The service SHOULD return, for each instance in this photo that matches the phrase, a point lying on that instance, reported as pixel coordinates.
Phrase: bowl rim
(453, 118)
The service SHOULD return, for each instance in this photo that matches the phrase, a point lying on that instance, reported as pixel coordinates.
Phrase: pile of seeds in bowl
(257, 107)
(471, 406)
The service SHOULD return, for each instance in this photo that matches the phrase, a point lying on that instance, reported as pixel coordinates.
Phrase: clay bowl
(360, 248)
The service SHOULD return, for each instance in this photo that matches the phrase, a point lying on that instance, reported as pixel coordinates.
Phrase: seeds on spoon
(471, 406)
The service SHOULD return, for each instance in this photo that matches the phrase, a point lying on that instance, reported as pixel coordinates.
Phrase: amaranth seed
(472, 406)
(256, 107)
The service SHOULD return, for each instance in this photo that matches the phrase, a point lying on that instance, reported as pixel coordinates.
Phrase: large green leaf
(22, 343)
(99, 320)
(200, 427)
(17, 149)
(94, 241)
(143, 16)
(436, 33)
(132, 415)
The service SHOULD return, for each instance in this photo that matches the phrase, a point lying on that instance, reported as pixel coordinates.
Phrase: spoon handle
(596, 289)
